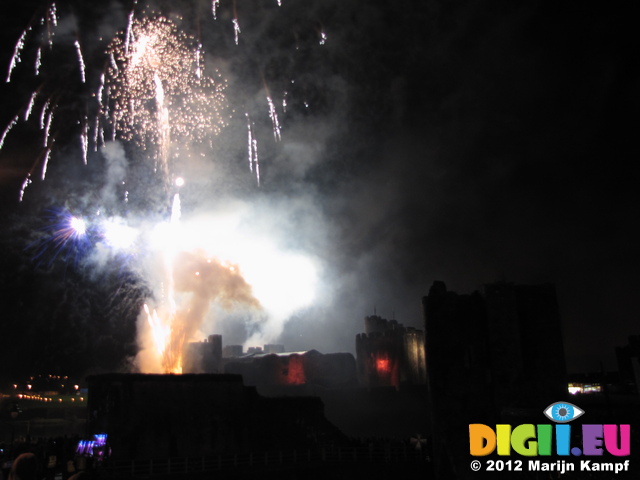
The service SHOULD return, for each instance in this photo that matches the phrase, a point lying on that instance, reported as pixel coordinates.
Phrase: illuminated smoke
(198, 281)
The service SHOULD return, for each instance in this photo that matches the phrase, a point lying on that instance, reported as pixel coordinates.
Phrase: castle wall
(161, 416)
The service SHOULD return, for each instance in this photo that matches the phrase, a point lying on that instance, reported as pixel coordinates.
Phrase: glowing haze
(157, 101)
(160, 97)
(217, 264)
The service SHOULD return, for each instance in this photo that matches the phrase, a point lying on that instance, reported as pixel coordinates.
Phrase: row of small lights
(29, 386)
(44, 399)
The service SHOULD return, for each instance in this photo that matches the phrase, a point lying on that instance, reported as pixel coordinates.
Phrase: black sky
(463, 141)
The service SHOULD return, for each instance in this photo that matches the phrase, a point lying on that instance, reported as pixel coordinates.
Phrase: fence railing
(272, 460)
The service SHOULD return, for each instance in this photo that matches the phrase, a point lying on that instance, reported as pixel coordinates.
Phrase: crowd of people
(45, 459)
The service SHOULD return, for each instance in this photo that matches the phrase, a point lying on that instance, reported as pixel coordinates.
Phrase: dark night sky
(462, 141)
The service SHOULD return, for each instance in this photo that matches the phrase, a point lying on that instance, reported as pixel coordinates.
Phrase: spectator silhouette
(24, 467)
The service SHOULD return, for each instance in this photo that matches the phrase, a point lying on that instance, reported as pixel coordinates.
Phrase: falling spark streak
(163, 124)
(198, 63)
(81, 61)
(52, 15)
(100, 92)
(252, 150)
(214, 8)
(176, 210)
(171, 332)
(15, 58)
(43, 113)
(38, 62)
(236, 29)
(29, 108)
(84, 140)
(114, 65)
(47, 155)
(47, 127)
(255, 153)
(127, 36)
(96, 133)
(161, 332)
(25, 184)
(249, 143)
(274, 119)
(8, 129)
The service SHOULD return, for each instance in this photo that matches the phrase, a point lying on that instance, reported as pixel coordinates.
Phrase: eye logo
(562, 412)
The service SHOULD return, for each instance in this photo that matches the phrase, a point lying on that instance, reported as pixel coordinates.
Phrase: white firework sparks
(156, 88)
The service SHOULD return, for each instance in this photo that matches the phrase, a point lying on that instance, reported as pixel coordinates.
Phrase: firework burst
(155, 92)
(149, 87)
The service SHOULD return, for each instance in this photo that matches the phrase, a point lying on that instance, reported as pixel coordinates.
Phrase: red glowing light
(296, 375)
(382, 365)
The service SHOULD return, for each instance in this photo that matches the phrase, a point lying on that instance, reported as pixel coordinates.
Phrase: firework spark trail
(163, 125)
(38, 62)
(198, 62)
(127, 35)
(252, 150)
(249, 142)
(43, 113)
(15, 58)
(32, 100)
(8, 129)
(274, 119)
(173, 361)
(47, 156)
(47, 127)
(51, 19)
(254, 145)
(236, 30)
(84, 140)
(96, 133)
(23, 187)
(80, 61)
(236, 23)
(160, 331)
(215, 4)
